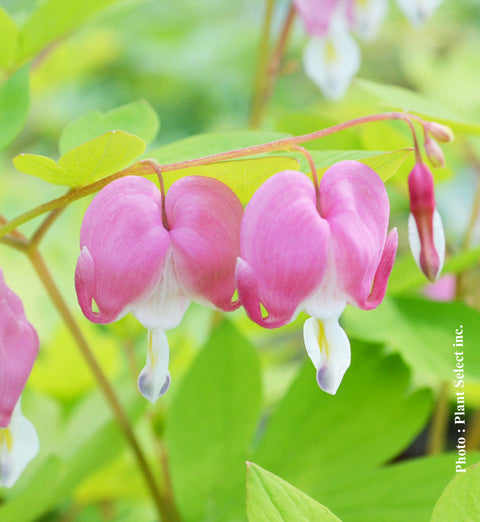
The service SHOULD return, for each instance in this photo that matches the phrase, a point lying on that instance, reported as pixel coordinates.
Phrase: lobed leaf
(423, 332)
(137, 118)
(93, 160)
(314, 440)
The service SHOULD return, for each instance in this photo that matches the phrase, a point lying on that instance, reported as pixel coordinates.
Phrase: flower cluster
(293, 249)
(332, 56)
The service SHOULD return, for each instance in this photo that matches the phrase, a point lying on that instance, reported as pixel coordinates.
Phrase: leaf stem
(262, 65)
(144, 168)
(437, 435)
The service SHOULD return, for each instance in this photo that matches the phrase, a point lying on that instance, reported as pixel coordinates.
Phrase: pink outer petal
(284, 245)
(204, 216)
(18, 351)
(355, 203)
(317, 14)
(123, 244)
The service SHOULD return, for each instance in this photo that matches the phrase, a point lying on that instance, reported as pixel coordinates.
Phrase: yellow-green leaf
(407, 100)
(136, 118)
(93, 160)
(242, 176)
(9, 39)
(51, 20)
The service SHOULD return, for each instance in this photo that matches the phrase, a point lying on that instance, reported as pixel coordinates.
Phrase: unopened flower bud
(440, 132)
(425, 229)
(434, 153)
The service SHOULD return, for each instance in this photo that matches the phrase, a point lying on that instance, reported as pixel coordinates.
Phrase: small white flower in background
(418, 11)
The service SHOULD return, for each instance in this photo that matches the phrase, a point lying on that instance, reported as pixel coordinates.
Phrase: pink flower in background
(332, 57)
(298, 253)
(18, 351)
(139, 257)
(425, 228)
(444, 289)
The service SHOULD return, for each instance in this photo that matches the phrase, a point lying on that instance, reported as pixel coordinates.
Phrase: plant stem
(270, 74)
(145, 167)
(43, 273)
(261, 73)
(437, 435)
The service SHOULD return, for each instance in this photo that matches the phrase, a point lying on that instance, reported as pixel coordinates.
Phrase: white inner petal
(154, 379)
(166, 306)
(414, 239)
(329, 349)
(418, 11)
(18, 446)
(332, 62)
(439, 239)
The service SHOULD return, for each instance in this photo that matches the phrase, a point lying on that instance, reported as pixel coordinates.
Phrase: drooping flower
(18, 351)
(418, 11)
(152, 258)
(332, 57)
(300, 252)
(425, 228)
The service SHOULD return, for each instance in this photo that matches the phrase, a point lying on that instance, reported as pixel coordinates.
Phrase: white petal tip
(147, 386)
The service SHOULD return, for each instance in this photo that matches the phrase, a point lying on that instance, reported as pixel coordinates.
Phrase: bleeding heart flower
(425, 228)
(152, 258)
(367, 16)
(300, 252)
(18, 351)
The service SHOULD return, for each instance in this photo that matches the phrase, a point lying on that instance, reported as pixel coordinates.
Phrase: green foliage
(406, 100)
(93, 160)
(14, 105)
(422, 331)
(136, 118)
(460, 500)
(242, 176)
(271, 499)
(211, 422)
(9, 32)
(89, 440)
(212, 143)
(372, 415)
(51, 20)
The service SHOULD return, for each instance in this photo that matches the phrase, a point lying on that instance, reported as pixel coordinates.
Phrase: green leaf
(137, 118)
(91, 439)
(461, 499)
(14, 105)
(51, 20)
(242, 176)
(395, 493)
(313, 439)
(93, 160)
(212, 419)
(404, 99)
(271, 499)
(422, 331)
(9, 32)
(212, 143)
(385, 164)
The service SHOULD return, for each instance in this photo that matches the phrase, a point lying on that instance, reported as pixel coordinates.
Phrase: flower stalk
(142, 168)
